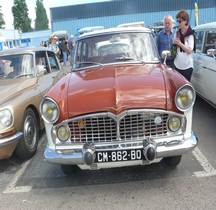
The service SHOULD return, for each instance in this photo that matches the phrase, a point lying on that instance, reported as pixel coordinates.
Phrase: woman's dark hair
(183, 15)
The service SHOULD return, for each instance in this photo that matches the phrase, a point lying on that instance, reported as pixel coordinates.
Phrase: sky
(31, 4)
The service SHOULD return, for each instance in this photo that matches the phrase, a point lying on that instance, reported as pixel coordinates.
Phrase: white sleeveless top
(184, 60)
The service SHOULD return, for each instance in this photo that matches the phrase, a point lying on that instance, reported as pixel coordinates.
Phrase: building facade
(34, 38)
(9, 39)
(13, 39)
(112, 13)
(109, 14)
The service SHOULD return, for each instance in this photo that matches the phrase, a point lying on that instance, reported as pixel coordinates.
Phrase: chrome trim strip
(209, 69)
(11, 139)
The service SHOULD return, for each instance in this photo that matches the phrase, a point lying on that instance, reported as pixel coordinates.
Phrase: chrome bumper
(163, 149)
(11, 139)
(8, 145)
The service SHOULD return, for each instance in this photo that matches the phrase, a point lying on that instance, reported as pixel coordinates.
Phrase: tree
(22, 22)
(41, 21)
(2, 22)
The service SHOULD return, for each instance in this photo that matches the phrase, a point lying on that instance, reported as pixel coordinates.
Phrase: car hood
(116, 88)
(11, 87)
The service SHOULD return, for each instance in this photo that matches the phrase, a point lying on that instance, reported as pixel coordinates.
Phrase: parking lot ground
(191, 185)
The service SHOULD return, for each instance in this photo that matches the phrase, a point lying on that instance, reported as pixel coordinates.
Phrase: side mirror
(212, 52)
(165, 54)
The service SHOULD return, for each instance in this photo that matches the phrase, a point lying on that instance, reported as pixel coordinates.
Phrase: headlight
(49, 110)
(6, 119)
(185, 98)
(174, 124)
(63, 133)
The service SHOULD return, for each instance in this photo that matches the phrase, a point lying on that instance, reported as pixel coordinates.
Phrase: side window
(84, 51)
(41, 62)
(78, 52)
(210, 41)
(199, 40)
(81, 52)
(53, 62)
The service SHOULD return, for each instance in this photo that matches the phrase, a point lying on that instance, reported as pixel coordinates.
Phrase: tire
(172, 162)
(27, 146)
(69, 169)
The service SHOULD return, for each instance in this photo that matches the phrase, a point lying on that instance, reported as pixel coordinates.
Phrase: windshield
(16, 66)
(118, 47)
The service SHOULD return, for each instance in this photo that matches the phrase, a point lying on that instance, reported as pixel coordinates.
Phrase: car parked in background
(204, 73)
(26, 74)
(89, 29)
(120, 106)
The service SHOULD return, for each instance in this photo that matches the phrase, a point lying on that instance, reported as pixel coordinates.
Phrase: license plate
(119, 155)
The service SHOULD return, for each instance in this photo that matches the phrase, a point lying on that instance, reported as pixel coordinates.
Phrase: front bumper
(166, 148)
(8, 145)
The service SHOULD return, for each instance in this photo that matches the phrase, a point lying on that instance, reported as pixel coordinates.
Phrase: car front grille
(129, 126)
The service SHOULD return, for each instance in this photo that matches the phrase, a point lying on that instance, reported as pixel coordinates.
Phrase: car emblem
(116, 109)
(157, 120)
(81, 123)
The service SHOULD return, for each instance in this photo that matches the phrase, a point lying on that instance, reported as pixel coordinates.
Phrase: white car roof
(90, 29)
(211, 25)
(115, 30)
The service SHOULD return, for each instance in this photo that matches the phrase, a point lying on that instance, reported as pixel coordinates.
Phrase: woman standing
(53, 46)
(185, 45)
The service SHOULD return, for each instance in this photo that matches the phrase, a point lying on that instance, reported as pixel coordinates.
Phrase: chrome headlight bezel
(6, 119)
(185, 97)
(49, 110)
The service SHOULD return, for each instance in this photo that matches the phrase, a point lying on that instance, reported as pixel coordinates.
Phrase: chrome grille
(94, 129)
(130, 125)
(142, 125)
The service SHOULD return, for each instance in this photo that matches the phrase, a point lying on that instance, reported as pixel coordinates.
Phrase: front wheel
(172, 161)
(27, 146)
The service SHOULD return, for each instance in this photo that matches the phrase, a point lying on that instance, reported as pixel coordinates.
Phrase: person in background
(53, 46)
(165, 39)
(45, 44)
(71, 47)
(42, 43)
(64, 47)
(185, 45)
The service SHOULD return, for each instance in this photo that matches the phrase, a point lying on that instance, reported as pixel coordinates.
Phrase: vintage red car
(120, 106)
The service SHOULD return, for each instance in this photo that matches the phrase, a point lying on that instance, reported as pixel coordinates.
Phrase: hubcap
(30, 131)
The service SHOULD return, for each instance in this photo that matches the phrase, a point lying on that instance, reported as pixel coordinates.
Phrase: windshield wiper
(124, 58)
(89, 63)
(23, 75)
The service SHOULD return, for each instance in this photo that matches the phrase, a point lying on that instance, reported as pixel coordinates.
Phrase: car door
(57, 72)
(197, 76)
(209, 67)
(52, 71)
(204, 67)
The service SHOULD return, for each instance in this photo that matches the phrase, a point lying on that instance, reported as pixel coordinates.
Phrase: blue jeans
(71, 56)
(64, 57)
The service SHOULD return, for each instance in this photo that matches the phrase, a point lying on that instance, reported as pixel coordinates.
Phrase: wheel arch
(37, 114)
